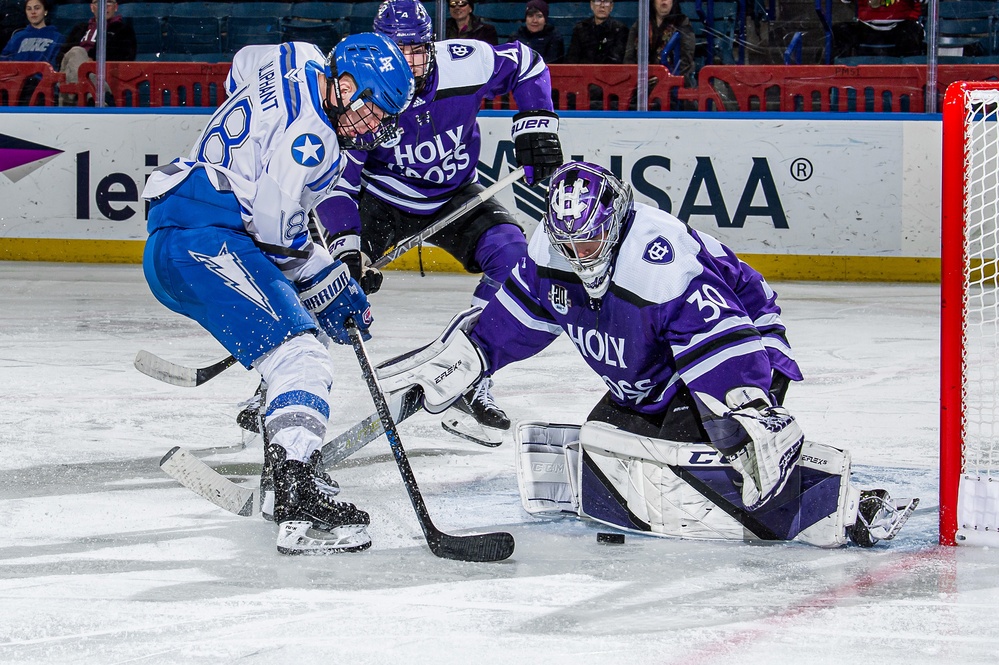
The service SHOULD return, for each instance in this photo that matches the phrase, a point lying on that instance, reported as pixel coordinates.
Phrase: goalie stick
(190, 377)
(244, 500)
(475, 547)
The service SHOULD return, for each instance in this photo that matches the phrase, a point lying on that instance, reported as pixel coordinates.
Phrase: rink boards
(801, 196)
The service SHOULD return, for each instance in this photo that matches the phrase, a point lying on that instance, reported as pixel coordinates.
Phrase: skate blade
(465, 426)
(903, 510)
(299, 538)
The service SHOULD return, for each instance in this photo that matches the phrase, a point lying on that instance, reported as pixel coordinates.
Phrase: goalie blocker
(664, 488)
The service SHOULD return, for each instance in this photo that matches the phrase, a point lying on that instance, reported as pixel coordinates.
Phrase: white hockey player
(692, 438)
(229, 247)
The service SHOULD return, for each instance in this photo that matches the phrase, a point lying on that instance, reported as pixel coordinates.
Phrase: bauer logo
(459, 51)
(658, 252)
(308, 150)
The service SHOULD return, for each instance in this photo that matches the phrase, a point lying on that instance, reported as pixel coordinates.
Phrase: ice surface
(104, 559)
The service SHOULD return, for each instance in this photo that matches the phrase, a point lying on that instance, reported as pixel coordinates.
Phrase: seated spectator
(38, 41)
(540, 35)
(599, 40)
(81, 45)
(665, 19)
(463, 24)
(893, 24)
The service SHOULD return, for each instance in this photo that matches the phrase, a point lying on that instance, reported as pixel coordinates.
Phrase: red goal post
(969, 323)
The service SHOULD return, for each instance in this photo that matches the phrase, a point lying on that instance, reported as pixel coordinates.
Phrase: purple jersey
(438, 149)
(681, 307)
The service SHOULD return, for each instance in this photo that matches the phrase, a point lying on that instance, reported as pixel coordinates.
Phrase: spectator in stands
(38, 41)
(539, 34)
(891, 24)
(463, 24)
(81, 45)
(665, 20)
(599, 40)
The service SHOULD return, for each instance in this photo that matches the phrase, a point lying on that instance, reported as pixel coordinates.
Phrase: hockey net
(969, 353)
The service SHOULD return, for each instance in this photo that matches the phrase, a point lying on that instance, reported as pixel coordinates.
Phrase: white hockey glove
(762, 442)
(444, 369)
(536, 144)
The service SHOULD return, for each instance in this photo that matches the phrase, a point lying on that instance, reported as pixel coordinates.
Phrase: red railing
(828, 88)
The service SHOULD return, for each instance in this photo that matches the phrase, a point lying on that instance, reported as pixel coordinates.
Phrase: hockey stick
(462, 210)
(187, 469)
(179, 375)
(189, 377)
(476, 547)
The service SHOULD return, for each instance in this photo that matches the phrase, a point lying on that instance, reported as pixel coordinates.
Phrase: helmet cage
(407, 23)
(587, 204)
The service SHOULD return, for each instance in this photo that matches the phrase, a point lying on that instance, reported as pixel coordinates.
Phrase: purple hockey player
(391, 193)
(691, 438)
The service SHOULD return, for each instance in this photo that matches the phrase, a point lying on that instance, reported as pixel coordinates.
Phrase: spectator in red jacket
(81, 44)
(891, 24)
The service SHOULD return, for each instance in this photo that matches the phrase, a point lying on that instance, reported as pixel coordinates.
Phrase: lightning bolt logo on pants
(232, 272)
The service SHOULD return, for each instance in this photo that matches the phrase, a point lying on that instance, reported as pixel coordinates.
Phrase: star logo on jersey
(559, 298)
(567, 201)
(658, 252)
(232, 272)
(308, 150)
(459, 51)
(20, 158)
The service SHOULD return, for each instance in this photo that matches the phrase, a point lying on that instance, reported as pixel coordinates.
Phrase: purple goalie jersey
(681, 307)
(437, 151)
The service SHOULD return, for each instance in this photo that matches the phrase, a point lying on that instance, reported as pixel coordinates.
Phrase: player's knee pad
(499, 249)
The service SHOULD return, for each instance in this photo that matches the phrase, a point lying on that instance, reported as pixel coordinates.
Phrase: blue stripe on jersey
(292, 99)
(299, 398)
(312, 71)
(325, 179)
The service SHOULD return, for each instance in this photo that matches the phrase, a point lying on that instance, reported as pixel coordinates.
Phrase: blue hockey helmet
(587, 207)
(382, 77)
(407, 23)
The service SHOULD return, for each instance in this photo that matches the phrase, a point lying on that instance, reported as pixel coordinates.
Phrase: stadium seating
(190, 34)
(148, 34)
(244, 30)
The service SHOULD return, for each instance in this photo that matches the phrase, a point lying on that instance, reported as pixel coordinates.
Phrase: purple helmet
(407, 23)
(587, 206)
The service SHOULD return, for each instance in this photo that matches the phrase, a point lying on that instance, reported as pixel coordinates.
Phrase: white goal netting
(978, 503)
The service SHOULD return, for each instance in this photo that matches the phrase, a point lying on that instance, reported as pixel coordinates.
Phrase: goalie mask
(587, 206)
(384, 89)
(407, 23)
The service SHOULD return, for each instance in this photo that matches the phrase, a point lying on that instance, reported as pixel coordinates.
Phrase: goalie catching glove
(762, 442)
(536, 142)
(444, 369)
(332, 296)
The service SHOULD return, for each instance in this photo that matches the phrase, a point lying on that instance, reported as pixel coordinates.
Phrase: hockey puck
(610, 538)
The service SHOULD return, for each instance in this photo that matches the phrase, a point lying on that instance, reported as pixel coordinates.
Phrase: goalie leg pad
(543, 467)
(827, 513)
(444, 369)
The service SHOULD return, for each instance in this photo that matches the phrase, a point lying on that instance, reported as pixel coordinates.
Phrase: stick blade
(204, 481)
(165, 371)
(482, 547)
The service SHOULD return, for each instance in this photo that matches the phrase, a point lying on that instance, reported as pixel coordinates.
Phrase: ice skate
(879, 517)
(476, 417)
(309, 520)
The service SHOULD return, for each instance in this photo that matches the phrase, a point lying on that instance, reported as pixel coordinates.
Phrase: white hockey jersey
(273, 146)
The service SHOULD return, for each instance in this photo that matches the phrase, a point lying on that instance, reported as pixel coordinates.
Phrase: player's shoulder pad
(658, 256)
(462, 63)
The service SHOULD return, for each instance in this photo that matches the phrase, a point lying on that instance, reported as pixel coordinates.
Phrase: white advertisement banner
(763, 185)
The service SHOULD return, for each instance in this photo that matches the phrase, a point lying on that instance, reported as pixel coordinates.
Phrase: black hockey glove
(535, 138)
(360, 269)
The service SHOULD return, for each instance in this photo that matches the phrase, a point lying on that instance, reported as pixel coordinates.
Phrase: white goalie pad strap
(543, 467)
(656, 500)
(445, 368)
(830, 531)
